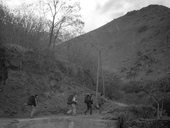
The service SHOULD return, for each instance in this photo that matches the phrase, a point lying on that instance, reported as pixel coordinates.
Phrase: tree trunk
(51, 32)
(57, 34)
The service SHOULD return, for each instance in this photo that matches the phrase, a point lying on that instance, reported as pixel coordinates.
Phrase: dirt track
(58, 122)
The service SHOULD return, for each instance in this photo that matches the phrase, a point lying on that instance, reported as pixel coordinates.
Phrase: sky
(96, 13)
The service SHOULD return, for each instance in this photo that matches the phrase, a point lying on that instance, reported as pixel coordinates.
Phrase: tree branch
(61, 21)
(50, 9)
(151, 95)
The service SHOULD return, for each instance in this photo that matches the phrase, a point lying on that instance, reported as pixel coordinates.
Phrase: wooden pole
(103, 85)
(98, 71)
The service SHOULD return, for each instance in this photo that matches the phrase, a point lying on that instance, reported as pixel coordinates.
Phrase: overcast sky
(98, 12)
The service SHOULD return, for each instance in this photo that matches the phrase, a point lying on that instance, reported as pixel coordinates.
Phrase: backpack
(31, 100)
(70, 100)
(86, 99)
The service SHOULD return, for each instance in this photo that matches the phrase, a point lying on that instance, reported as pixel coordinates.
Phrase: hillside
(134, 46)
(32, 73)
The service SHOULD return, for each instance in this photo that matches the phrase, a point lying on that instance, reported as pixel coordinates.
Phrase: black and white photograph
(84, 63)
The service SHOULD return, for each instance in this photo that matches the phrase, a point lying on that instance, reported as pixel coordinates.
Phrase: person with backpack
(88, 101)
(33, 101)
(72, 102)
(100, 103)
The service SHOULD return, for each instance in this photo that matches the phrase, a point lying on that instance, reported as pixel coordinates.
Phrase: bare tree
(63, 15)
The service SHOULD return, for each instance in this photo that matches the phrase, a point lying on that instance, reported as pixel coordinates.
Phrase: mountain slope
(42, 74)
(133, 46)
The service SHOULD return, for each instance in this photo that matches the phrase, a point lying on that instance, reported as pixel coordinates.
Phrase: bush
(135, 112)
(148, 124)
(142, 111)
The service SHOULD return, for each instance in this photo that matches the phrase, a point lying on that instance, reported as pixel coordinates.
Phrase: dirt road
(57, 122)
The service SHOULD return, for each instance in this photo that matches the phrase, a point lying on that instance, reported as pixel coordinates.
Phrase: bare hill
(135, 45)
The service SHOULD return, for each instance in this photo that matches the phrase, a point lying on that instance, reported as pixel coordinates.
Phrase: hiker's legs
(5, 77)
(70, 109)
(100, 109)
(33, 111)
(90, 110)
(74, 109)
(87, 108)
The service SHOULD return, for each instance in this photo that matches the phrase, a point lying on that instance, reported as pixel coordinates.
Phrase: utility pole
(98, 71)
(103, 86)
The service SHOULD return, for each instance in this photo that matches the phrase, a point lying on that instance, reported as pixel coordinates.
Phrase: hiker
(72, 102)
(100, 103)
(33, 101)
(88, 101)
